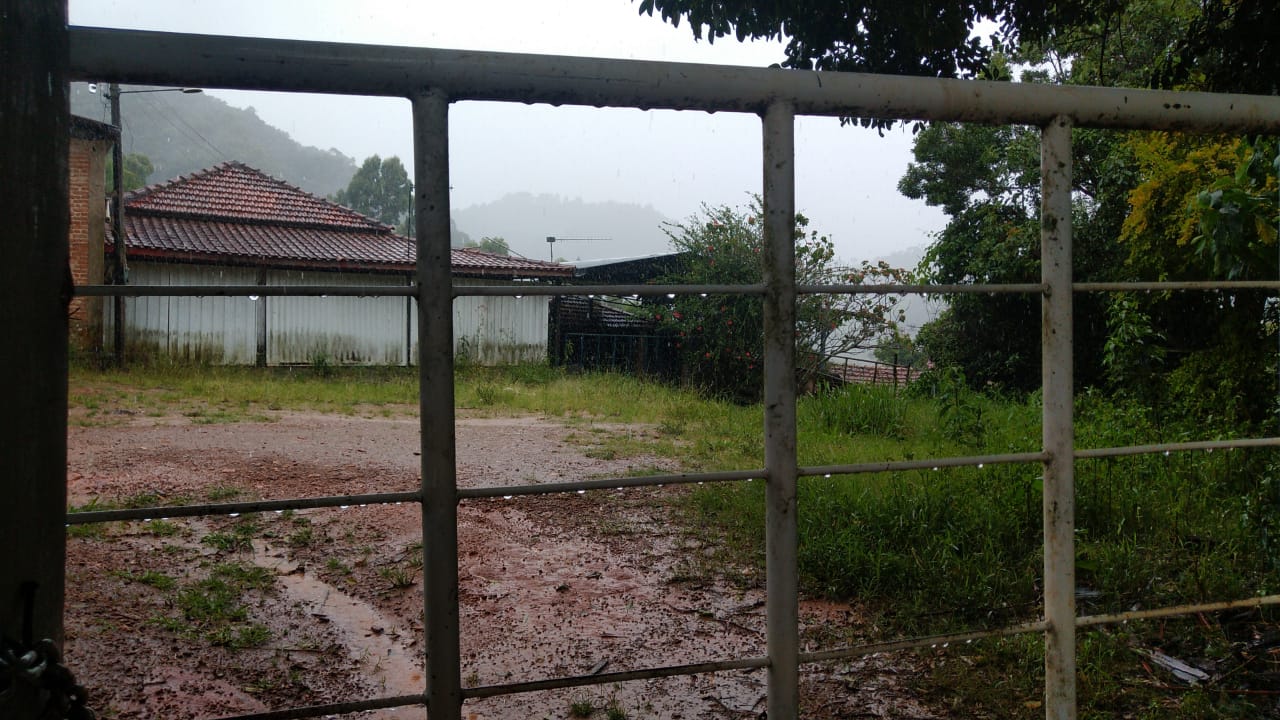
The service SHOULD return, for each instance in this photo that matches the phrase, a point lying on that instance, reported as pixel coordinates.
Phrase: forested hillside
(181, 133)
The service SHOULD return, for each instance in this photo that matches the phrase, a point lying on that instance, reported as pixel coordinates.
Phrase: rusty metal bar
(1058, 424)
(609, 484)
(435, 383)
(157, 58)
(333, 709)
(629, 675)
(1175, 610)
(34, 291)
(924, 464)
(922, 642)
(1209, 445)
(781, 531)
(250, 506)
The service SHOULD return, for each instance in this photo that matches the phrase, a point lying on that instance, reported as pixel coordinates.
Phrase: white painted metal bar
(616, 677)
(923, 464)
(332, 709)
(1209, 445)
(1211, 285)
(919, 289)
(929, 641)
(164, 513)
(299, 66)
(435, 382)
(1058, 424)
(781, 532)
(245, 290)
(610, 484)
(1175, 610)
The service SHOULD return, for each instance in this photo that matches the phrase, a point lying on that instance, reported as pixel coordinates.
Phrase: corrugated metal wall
(499, 330)
(336, 330)
(218, 330)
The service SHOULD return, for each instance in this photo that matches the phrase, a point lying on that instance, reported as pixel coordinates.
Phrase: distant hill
(525, 221)
(182, 133)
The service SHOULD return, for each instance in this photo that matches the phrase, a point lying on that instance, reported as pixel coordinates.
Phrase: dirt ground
(555, 585)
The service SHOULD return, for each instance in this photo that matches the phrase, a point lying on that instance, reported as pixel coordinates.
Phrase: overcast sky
(673, 161)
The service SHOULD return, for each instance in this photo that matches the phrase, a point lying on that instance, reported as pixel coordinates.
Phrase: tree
(137, 170)
(495, 245)
(380, 189)
(720, 338)
(915, 37)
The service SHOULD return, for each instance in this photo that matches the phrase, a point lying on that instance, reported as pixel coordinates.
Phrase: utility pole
(117, 223)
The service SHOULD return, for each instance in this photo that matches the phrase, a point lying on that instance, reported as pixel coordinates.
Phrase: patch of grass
(218, 493)
(398, 577)
(213, 607)
(237, 537)
(152, 578)
(302, 537)
(161, 528)
(336, 566)
(582, 708)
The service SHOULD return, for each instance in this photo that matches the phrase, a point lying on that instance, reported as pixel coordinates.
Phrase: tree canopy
(721, 338)
(380, 189)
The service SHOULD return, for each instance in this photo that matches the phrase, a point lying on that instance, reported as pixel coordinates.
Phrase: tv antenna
(552, 240)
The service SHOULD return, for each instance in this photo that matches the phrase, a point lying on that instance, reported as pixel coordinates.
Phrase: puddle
(376, 642)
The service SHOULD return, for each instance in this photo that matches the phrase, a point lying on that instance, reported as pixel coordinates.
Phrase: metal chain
(39, 666)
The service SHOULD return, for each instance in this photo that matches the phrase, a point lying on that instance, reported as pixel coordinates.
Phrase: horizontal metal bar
(1175, 610)
(406, 290)
(930, 641)
(926, 464)
(609, 484)
(143, 57)
(609, 290)
(1177, 447)
(952, 289)
(1176, 285)
(98, 516)
(245, 290)
(646, 674)
(334, 709)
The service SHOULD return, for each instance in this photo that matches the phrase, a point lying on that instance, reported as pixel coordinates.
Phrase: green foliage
(380, 189)
(137, 170)
(213, 607)
(721, 338)
(860, 410)
(495, 245)
(900, 349)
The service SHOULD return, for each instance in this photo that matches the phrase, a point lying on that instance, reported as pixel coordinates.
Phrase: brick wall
(88, 165)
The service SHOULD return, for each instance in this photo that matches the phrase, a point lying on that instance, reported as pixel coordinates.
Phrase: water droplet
(1166, 453)
(671, 296)
(507, 497)
(699, 482)
(324, 296)
(582, 492)
(342, 507)
(969, 641)
(703, 294)
(946, 644)
(750, 479)
(146, 520)
(1210, 450)
(519, 296)
(279, 512)
(253, 298)
(979, 466)
(935, 469)
(934, 645)
(234, 515)
(591, 297)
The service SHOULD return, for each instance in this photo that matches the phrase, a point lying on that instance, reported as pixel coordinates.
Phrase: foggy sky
(674, 161)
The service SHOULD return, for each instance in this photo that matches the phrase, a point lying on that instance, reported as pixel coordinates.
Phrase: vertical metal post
(260, 322)
(435, 373)
(779, 274)
(35, 287)
(121, 270)
(1059, 431)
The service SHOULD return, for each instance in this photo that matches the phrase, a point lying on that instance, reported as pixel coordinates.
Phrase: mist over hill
(525, 220)
(182, 133)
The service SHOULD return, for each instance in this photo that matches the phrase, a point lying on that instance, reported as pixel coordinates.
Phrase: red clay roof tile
(234, 214)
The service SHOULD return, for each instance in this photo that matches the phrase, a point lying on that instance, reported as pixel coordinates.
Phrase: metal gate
(432, 80)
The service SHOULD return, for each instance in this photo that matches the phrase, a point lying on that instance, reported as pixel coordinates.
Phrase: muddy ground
(550, 586)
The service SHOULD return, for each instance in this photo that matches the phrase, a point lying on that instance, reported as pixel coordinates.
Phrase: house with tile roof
(234, 225)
